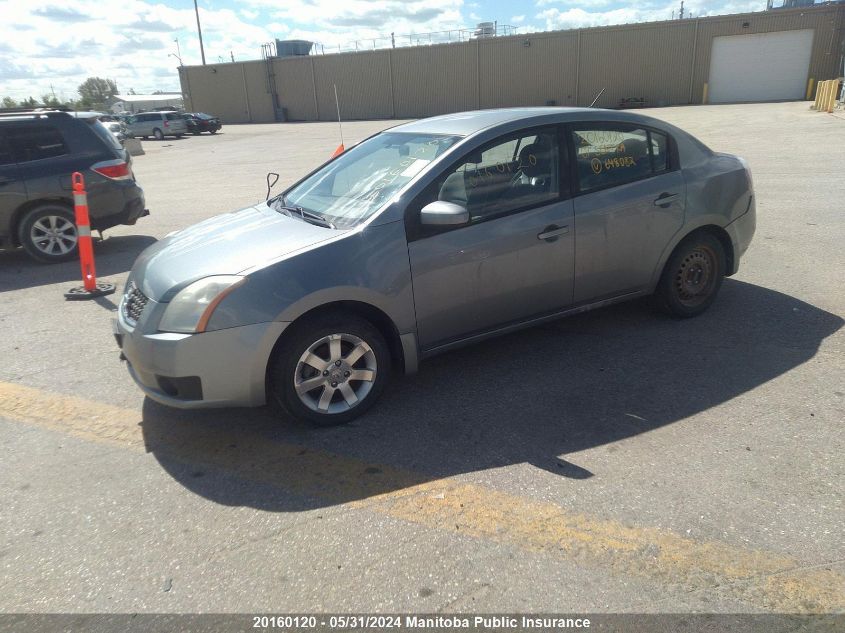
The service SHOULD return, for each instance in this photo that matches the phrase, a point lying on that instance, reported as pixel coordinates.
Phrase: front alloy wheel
(331, 370)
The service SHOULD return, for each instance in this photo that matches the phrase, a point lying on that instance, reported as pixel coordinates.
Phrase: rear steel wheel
(692, 276)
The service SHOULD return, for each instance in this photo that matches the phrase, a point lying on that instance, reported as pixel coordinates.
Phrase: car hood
(226, 244)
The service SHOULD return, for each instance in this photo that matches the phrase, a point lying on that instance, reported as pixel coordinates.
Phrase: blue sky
(49, 45)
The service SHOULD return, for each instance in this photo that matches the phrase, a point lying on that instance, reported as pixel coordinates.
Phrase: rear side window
(6, 157)
(173, 117)
(36, 142)
(104, 134)
(608, 156)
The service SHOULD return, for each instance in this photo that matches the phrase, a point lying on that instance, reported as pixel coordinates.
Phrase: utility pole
(199, 32)
(680, 14)
(232, 55)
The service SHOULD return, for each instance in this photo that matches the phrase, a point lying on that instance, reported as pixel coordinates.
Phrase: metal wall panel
(295, 87)
(434, 80)
(649, 61)
(218, 89)
(528, 70)
(260, 103)
(363, 85)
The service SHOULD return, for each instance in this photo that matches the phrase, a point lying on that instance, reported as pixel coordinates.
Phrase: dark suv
(39, 151)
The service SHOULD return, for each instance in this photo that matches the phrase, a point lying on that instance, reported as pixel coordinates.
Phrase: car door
(514, 259)
(12, 188)
(629, 203)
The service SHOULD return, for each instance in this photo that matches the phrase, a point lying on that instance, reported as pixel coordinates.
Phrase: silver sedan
(428, 236)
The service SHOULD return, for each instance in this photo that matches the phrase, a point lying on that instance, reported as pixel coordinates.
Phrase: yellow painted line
(764, 579)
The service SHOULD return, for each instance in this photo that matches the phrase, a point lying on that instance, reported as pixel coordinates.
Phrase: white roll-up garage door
(760, 67)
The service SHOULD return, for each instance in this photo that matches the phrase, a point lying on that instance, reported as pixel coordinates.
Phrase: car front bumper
(222, 368)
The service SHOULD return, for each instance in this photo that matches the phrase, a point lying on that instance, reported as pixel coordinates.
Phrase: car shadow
(112, 256)
(533, 397)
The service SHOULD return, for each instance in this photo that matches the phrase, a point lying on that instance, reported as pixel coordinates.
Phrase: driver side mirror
(442, 213)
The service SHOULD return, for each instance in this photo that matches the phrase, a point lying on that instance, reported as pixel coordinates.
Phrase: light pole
(177, 57)
(178, 52)
(199, 32)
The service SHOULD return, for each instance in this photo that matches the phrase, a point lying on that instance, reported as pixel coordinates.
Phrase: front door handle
(550, 233)
(665, 199)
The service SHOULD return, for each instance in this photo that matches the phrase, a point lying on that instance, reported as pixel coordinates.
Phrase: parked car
(427, 236)
(157, 125)
(117, 129)
(199, 122)
(39, 151)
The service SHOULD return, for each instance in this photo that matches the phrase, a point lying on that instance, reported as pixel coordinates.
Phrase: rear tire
(48, 234)
(213, 131)
(330, 369)
(692, 277)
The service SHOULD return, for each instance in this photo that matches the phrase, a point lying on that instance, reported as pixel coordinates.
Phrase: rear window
(103, 133)
(173, 116)
(36, 142)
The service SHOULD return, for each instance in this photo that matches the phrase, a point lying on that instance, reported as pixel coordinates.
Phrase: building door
(760, 67)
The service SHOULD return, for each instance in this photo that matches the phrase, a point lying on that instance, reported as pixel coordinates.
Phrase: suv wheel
(692, 277)
(158, 134)
(330, 370)
(48, 233)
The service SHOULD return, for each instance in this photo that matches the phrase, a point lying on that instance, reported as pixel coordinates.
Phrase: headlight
(191, 309)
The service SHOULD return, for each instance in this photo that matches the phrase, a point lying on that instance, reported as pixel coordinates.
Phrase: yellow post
(822, 94)
(819, 87)
(704, 93)
(809, 89)
(831, 102)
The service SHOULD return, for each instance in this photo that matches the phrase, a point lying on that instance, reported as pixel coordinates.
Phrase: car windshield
(360, 181)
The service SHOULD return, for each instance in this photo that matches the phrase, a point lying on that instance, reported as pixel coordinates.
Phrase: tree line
(94, 94)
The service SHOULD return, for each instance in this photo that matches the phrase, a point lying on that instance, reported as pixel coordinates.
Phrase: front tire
(331, 369)
(159, 135)
(692, 276)
(48, 234)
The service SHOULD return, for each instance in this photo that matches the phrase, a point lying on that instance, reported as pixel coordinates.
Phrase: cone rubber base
(79, 293)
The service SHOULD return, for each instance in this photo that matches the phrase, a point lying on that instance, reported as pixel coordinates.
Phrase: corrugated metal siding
(528, 70)
(666, 63)
(295, 87)
(647, 61)
(363, 85)
(260, 103)
(434, 80)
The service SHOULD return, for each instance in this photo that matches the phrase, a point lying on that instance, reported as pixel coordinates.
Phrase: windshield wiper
(313, 218)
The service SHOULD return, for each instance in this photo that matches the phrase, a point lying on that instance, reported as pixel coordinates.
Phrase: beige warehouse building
(764, 56)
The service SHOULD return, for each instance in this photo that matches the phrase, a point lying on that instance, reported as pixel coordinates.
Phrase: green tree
(29, 103)
(95, 91)
(8, 102)
(50, 101)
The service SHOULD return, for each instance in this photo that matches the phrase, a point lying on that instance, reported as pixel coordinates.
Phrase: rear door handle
(553, 231)
(665, 199)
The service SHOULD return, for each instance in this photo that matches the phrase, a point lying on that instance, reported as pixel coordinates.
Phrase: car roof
(469, 123)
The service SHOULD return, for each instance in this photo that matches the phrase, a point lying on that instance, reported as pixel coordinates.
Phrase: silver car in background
(157, 124)
(424, 237)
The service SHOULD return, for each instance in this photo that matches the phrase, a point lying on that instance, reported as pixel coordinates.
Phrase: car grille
(134, 302)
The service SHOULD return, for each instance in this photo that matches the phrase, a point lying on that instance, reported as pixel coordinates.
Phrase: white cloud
(578, 17)
(518, 19)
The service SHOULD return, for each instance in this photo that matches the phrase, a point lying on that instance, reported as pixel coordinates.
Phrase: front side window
(512, 173)
(360, 181)
(608, 156)
(36, 142)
